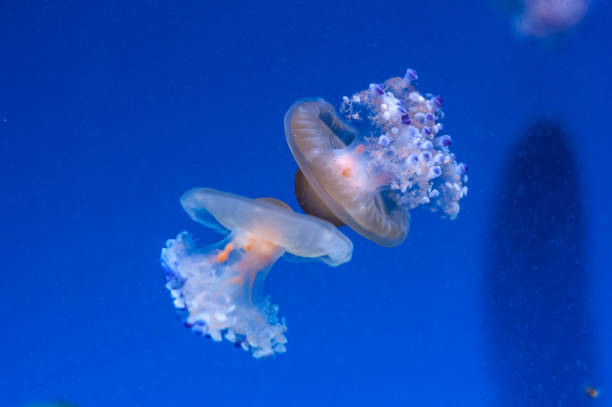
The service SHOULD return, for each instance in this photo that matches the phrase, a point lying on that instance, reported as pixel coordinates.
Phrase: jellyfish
(218, 289)
(545, 18)
(386, 158)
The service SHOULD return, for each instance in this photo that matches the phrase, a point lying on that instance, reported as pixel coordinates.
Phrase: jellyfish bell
(219, 289)
(310, 201)
(333, 131)
(330, 182)
(272, 220)
(369, 173)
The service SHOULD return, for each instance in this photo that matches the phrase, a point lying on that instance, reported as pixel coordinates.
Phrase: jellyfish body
(543, 18)
(388, 159)
(218, 289)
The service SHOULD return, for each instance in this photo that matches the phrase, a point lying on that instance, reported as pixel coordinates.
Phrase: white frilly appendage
(222, 298)
(402, 145)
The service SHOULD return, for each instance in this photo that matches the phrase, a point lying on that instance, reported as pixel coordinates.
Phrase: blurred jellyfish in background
(540, 336)
(218, 289)
(390, 156)
(544, 18)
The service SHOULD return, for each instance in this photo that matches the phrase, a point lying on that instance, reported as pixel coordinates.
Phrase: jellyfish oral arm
(219, 290)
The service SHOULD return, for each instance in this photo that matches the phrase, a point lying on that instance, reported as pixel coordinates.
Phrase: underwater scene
(306, 203)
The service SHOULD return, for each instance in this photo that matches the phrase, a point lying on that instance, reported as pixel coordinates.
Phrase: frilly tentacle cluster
(211, 303)
(404, 144)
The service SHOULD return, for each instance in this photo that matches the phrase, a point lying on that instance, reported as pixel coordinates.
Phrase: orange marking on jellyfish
(224, 254)
(359, 149)
(346, 173)
(222, 257)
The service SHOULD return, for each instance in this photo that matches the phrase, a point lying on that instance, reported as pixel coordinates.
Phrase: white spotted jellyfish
(218, 289)
(387, 157)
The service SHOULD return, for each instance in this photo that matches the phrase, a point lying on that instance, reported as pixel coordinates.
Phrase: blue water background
(110, 110)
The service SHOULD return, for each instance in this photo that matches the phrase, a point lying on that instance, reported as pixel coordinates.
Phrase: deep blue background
(110, 110)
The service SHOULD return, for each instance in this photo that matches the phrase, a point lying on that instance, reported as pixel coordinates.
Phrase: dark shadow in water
(536, 279)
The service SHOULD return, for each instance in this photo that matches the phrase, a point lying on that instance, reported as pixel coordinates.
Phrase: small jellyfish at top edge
(545, 18)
